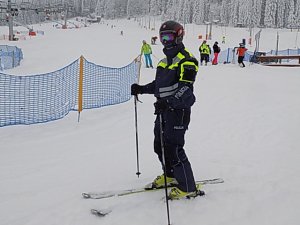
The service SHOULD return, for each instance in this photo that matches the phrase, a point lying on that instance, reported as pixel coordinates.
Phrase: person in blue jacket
(173, 89)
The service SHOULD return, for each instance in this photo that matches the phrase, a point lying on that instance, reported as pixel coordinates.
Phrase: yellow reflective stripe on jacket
(204, 48)
(182, 70)
(163, 63)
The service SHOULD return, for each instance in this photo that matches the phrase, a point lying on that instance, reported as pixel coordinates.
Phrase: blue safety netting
(229, 55)
(285, 52)
(10, 57)
(46, 97)
(107, 86)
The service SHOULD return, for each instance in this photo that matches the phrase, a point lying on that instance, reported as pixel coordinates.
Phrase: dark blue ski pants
(175, 124)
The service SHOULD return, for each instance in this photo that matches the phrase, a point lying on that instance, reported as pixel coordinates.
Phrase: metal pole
(210, 31)
(66, 15)
(138, 173)
(13, 59)
(164, 165)
(277, 43)
(10, 21)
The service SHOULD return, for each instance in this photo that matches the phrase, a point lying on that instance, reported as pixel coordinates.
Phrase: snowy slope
(244, 128)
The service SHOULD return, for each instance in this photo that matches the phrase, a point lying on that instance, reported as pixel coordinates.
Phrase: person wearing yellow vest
(204, 52)
(147, 51)
(173, 88)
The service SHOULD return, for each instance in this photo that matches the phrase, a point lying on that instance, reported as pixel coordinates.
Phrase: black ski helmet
(171, 28)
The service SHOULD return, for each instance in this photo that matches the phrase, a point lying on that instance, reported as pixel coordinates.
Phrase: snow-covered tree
(272, 13)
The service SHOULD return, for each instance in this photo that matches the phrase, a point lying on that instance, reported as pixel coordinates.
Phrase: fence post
(1, 68)
(80, 86)
(233, 56)
(228, 52)
(13, 59)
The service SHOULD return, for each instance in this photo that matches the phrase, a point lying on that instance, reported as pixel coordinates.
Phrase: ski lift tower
(11, 11)
(10, 20)
(207, 36)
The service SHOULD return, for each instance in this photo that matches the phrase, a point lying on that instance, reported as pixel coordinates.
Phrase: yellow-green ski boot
(159, 182)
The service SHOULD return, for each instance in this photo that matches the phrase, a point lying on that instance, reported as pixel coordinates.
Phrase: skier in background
(147, 51)
(153, 40)
(204, 52)
(173, 89)
(241, 54)
(217, 50)
(223, 40)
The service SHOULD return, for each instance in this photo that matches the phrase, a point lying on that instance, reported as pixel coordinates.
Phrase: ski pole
(136, 137)
(164, 165)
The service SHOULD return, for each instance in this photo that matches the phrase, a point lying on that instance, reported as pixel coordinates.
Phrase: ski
(109, 194)
(100, 212)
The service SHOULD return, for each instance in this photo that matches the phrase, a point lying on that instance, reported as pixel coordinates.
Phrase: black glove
(136, 89)
(161, 105)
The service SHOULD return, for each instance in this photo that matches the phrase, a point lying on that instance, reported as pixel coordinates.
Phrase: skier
(223, 40)
(204, 52)
(241, 54)
(147, 51)
(173, 89)
(153, 40)
(217, 50)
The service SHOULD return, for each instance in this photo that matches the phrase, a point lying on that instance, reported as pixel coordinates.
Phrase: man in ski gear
(147, 51)
(173, 89)
(241, 54)
(217, 50)
(204, 52)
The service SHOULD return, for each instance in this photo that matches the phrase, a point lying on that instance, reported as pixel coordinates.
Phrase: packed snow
(245, 128)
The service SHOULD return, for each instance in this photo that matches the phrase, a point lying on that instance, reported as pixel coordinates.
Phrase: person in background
(147, 51)
(223, 39)
(216, 50)
(173, 89)
(204, 52)
(241, 54)
(153, 40)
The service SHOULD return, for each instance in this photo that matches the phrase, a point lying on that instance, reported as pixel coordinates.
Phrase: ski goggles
(167, 37)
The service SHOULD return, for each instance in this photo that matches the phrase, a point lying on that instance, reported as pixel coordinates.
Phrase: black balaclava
(172, 51)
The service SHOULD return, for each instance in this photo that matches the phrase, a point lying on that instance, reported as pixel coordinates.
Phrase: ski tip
(100, 213)
(220, 180)
(86, 195)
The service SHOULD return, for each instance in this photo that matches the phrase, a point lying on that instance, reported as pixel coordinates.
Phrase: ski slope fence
(228, 55)
(51, 96)
(10, 57)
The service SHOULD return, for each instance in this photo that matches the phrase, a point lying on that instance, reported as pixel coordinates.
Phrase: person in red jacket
(241, 54)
